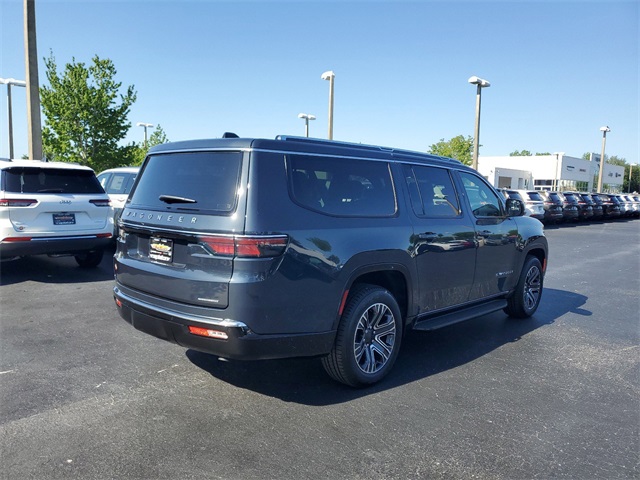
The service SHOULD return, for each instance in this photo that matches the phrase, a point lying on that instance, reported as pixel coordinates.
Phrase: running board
(446, 319)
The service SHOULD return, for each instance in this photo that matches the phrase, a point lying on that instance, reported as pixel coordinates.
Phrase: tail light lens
(260, 246)
(101, 202)
(17, 202)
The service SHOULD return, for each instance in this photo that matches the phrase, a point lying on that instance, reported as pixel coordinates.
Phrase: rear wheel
(90, 259)
(526, 298)
(368, 338)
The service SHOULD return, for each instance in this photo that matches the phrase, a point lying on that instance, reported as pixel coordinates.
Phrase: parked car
(610, 205)
(533, 203)
(636, 204)
(585, 211)
(596, 208)
(569, 206)
(532, 209)
(553, 205)
(117, 182)
(53, 208)
(627, 207)
(318, 257)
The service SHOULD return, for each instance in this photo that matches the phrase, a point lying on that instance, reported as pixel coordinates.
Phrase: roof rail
(3, 159)
(321, 141)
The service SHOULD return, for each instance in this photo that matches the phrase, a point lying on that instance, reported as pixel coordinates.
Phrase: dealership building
(550, 172)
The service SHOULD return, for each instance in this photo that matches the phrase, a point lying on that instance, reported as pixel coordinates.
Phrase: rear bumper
(241, 344)
(53, 245)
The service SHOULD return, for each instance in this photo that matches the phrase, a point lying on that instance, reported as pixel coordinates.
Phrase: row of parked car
(556, 207)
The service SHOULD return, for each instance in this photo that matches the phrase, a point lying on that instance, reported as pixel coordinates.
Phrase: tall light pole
(329, 75)
(604, 131)
(34, 122)
(145, 126)
(306, 117)
(555, 178)
(11, 82)
(476, 140)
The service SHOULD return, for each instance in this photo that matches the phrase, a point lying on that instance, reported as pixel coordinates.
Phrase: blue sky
(558, 70)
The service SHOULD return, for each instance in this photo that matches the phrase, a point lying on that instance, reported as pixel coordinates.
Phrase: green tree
(85, 115)
(521, 153)
(459, 147)
(157, 137)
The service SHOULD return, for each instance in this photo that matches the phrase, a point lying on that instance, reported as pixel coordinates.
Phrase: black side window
(484, 202)
(431, 191)
(343, 187)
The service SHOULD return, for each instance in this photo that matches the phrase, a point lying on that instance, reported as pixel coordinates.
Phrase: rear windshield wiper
(174, 199)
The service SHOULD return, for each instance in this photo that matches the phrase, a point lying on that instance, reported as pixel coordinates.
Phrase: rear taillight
(17, 202)
(246, 246)
(101, 202)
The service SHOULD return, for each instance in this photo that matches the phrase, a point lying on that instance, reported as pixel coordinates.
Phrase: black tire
(526, 297)
(90, 259)
(368, 338)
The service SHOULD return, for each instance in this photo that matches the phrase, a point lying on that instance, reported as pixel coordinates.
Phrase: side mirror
(515, 207)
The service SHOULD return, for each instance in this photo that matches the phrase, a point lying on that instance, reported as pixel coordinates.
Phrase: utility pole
(34, 123)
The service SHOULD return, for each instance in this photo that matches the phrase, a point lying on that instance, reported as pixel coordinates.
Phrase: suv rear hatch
(52, 201)
(183, 225)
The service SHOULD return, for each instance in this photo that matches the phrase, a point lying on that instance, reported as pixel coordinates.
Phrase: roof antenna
(229, 135)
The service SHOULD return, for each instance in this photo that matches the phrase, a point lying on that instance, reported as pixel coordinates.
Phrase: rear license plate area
(161, 250)
(64, 218)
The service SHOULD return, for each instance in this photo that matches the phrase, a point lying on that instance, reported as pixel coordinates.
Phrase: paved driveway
(85, 396)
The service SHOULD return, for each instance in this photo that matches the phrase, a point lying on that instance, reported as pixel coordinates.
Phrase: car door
(496, 235)
(443, 243)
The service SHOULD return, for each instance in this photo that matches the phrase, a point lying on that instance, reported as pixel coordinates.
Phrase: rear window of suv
(535, 196)
(50, 180)
(342, 187)
(205, 182)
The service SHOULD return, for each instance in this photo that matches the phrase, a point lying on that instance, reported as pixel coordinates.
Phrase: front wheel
(89, 259)
(368, 338)
(526, 297)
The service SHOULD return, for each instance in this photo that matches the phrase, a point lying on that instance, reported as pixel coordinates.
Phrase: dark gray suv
(258, 249)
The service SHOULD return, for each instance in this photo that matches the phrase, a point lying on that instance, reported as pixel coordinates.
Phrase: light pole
(306, 117)
(604, 131)
(145, 126)
(476, 140)
(331, 77)
(18, 83)
(555, 178)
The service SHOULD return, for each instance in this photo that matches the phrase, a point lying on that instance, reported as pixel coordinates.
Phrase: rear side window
(535, 196)
(431, 191)
(205, 182)
(343, 187)
(50, 180)
(120, 183)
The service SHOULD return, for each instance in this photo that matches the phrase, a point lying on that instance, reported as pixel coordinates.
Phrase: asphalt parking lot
(85, 396)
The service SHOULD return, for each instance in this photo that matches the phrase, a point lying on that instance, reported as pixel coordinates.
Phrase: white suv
(53, 208)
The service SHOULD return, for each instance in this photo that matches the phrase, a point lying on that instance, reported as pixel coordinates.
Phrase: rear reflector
(17, 202)
(206, 332)
(247, 246)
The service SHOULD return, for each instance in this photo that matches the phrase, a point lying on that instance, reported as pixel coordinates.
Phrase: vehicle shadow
(422, 355)
(44, 269)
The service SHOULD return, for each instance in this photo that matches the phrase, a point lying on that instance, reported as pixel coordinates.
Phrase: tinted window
(194, 182)
(339, 186)
(570, 198)
(432, 192)
(555, 197)
(515, 195)
(120, 183)
(484, 202)
(51, 180)
(535, 196)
